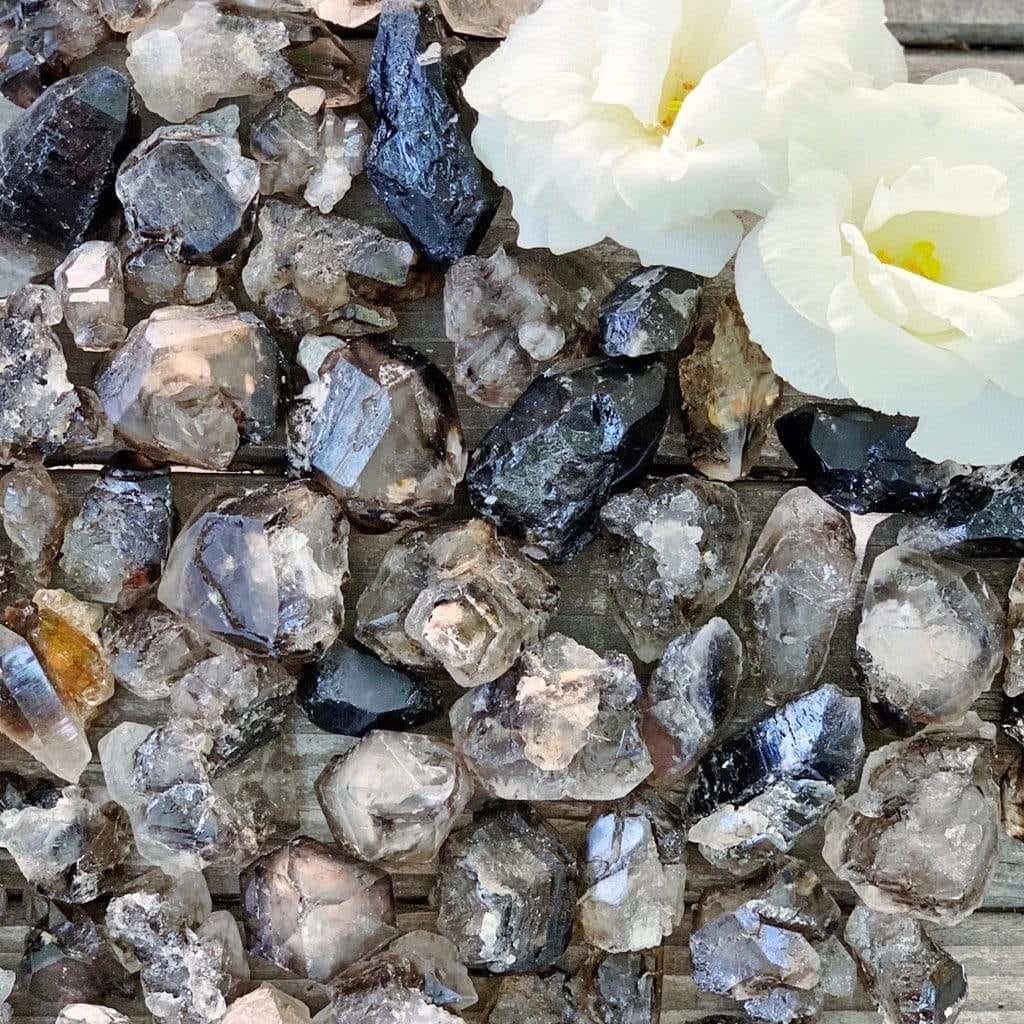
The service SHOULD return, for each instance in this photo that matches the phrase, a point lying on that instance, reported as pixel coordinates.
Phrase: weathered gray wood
(956, 22)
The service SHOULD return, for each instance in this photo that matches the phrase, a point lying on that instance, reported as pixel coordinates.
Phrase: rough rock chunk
(33, 517)
(920, 836)
(617, 989)
(508, 866)
(437, 959)
(421, 162)
(564, 724)
(346, 13)
(90, 284)
(86, 1013)
(544, 470)
(378, 426)
(757, 792)
(689, 698)
(263, 570)
(488, 18)
(730, 396)
(267, 1005)
(1013, 679)
(312, 911)
(192, 384)
(655, 310)
(930, 640)
(547, 1000)
(37, 302)
(800, 577)
(456, 597)
(680, 544)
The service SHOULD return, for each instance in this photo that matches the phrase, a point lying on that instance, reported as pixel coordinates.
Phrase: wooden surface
(990, 943)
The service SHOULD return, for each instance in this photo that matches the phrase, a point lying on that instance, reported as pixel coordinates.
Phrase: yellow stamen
(920, 260)
(674, 105)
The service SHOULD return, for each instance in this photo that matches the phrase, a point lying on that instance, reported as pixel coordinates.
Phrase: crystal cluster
(377, 425)
(653, 311)
(680, 543)
(455, 597)
(564, 724)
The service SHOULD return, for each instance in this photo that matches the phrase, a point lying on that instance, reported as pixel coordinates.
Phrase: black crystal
(654, 310)
(18, 791)
(420, 161)
(858, 460)
(58, 160)
(350, 692)
(577, 434)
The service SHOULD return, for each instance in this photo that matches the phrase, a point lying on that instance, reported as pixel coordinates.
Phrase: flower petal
(994, 82)
(703, 245)
(1002, 362)
(987, 431)
(801, 352)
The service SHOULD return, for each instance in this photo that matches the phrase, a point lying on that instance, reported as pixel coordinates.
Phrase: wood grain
(957, 23)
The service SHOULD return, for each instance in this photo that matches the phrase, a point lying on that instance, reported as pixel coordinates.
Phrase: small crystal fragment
(920, 835)
(115, 548)
(393, 797)
(191, 54)
(350, 691)
(36, 302)
(488, 18)
(547, 1000)
(190, 384)
(72, 850)
(800, 577)
(509, 866)
(346, 13)
(633, 874)
(383, 990)
(655, 310)
(930, 640)
(544, 470)
(913, 980)
(1012, 790)
(85, 1013)
(563, 724)
(267, 1005)
(689, 698)
(90, 284)
(730, 396)
(378, 426)
(758, 791)
(128, 15)
(438, 960)
(312, 911)
(263, 570)
(33, 518)
(858, 460)
(617, 989)
(510, 316)
(310, 272)
(679, 547)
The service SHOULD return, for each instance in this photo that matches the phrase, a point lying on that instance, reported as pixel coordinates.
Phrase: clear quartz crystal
(488, 18)
(32, 514)
(90, 284)
(84, 1013)
(799, 579)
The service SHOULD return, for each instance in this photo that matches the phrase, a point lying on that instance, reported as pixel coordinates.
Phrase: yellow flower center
(671, 108)
(919, 259)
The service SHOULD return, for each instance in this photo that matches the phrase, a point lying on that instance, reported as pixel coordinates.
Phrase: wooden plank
(957, 22)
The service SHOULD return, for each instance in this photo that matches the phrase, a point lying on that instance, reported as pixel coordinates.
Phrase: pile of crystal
(773, 945)
(378, 427)
(458, 598)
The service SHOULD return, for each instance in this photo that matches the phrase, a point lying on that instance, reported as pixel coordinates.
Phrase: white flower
(650, 121)
(892, 271)
(994, 82)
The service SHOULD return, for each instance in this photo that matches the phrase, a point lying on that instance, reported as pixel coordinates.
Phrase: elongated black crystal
(654, 310)
(421, 162)
(577, 434)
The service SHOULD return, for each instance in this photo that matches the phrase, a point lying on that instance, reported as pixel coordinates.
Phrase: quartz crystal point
(654, 310)
(510, 316)
(678, 549)
(1013, 679)
(267, 1005)
(350, 691)
(800, 577)
(115, 548)
(633, 874)
(617, 989)
(263, 570)
(547, 466)
(32, 514)
(771, 945)
(547, 1000)
(312, 911)
(508, 866)
(437, 959)
(930, 640)
(730, 396)
(90, 285)
(564, 724)
(757, 792)
(490, 19)
(913, 980)
(455, 597)
(858, 459)
(90, 1013)
(72, 850)
(378, 426)
(57, 166)
(689, 698)
(421, 162)
(920, 836)
(311, 272)
(191, 54)
(981, 514)
(190, 384)
(393, 797)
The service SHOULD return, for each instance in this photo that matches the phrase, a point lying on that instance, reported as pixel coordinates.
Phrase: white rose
(651, 121)
(892, 271)
(994, 82)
